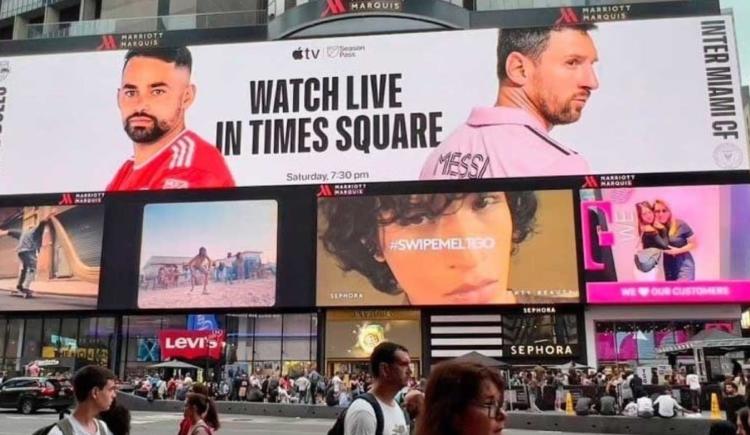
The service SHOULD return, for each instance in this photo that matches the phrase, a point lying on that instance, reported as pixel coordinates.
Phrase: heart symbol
(643, 291)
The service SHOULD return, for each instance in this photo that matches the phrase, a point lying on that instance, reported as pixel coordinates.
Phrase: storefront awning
(712, 339)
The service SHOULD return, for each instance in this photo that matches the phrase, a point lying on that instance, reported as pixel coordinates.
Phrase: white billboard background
(62, 131)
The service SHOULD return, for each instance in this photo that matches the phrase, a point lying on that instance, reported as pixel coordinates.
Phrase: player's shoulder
(190, 151)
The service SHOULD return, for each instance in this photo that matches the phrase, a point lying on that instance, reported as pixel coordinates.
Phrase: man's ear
(518, 68)
(189, 96)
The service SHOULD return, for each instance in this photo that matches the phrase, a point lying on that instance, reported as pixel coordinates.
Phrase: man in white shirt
(667, 405)
(95, 390)
(645, 407)
(337, 382)
(302, 384)
(391, 367)
(694, 382)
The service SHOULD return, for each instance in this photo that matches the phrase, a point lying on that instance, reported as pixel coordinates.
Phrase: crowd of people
(460, 397)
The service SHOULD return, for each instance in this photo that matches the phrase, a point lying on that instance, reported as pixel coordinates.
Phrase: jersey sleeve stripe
(190, 151)
(550, 141)
(175, 152)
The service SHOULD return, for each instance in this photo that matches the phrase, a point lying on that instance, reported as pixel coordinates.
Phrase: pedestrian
(665, 405)
(462, 398)
(413, 404)
(303, 383)
(743, 425)
(391, 366)
(315, 379)
(201, 412)
(733, 401)
(117, 418)
(645, 407)
(722, 428)
(94, 389)
(693, 381)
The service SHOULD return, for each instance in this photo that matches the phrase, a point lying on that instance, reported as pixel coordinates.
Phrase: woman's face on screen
(459, 257)
(647, 215)
(662, 212)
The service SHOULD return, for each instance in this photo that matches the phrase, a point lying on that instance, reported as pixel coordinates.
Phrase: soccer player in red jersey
(153, 98)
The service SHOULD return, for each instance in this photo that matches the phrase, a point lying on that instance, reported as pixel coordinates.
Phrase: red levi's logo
(108, 43)
(333, 7)
(178, 343)
(567, 16)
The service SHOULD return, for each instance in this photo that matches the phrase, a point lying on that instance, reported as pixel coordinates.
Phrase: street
(153, 423)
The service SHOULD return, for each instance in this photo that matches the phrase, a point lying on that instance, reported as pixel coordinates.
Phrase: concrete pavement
(156, 423)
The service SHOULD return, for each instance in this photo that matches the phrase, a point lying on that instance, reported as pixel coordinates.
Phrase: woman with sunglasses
(679, 264)
(462, 398)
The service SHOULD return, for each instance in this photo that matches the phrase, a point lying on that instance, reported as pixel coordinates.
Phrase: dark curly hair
(352, 224)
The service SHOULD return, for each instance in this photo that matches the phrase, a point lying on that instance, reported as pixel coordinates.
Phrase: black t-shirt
(732, 404)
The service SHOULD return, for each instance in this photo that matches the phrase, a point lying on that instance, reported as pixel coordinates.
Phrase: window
(268, 338)
(296, 340)
(32, 340)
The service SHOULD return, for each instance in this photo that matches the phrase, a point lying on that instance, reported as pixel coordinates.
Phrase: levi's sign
(191, 344)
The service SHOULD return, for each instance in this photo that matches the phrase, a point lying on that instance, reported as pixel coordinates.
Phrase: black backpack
(338, 427)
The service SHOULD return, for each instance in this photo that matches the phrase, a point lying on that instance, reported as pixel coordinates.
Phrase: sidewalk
(58, 287)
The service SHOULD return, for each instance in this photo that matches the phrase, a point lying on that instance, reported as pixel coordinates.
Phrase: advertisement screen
(446, 249)
(566, 101)
(208, 254)
(50, 257)
(666, 244)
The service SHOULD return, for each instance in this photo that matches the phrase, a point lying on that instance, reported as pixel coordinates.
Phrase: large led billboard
(473, 103)
(219, 254)
(50, 257)
(676, 244)
(447, 249)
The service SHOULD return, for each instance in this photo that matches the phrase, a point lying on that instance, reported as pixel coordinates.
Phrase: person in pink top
(546, 77)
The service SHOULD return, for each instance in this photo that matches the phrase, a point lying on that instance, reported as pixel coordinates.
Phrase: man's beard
(146, 134)
(565, 115)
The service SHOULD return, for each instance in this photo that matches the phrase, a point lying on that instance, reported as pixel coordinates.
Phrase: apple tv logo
(305, 53)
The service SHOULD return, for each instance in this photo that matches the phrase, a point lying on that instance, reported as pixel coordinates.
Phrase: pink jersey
(498, 142)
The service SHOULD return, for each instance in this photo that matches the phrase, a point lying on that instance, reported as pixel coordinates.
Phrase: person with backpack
(94, 389)
(315, 379)
(376, 412)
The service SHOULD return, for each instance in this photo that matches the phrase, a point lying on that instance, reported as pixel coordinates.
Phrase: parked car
(27, 394)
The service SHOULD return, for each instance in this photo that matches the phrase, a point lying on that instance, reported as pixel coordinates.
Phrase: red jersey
(189, 162)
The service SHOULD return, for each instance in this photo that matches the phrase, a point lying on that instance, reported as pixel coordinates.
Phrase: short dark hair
(180, 56)
(352, 231)
(89, 377)
(117, 418)
(384, 352)
(529, 41)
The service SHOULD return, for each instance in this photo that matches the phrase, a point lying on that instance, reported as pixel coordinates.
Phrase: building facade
(295, 332)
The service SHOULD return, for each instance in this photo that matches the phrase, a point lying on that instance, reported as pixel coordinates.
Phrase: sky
(741, 10)
(180, 229)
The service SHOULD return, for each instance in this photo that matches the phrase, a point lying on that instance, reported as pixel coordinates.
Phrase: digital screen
(446, 249)
(683, 244)
(50, 257)
(208, 254)
(367, 109)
